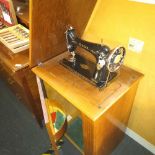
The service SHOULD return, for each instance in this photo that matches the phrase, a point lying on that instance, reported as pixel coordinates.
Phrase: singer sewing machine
(107, 61)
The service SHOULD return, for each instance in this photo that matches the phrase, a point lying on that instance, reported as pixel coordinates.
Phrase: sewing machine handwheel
(115, 59)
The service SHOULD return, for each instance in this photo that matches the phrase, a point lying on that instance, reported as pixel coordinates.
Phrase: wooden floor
(20, 133)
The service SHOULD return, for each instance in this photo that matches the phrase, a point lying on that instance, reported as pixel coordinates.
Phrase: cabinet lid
(48, 23)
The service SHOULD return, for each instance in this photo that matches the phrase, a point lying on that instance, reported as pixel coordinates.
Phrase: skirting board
(140, 140)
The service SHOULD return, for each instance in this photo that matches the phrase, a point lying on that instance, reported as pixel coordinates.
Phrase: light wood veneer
(105, 113)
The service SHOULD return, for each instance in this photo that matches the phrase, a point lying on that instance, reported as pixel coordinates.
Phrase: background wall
(115, 21)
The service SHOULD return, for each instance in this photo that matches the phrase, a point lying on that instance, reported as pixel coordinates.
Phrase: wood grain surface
(13, 61)
(48, 23)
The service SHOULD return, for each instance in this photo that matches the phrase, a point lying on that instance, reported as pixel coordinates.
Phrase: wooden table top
(13, 61)
(84, 96)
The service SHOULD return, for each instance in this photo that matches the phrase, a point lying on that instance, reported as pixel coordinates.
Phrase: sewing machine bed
(86, 69)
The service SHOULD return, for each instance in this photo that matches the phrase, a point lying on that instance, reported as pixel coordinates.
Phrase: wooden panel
(110, 127)
(104, 134)
(88, 135)
(48, 22)
(78, 13)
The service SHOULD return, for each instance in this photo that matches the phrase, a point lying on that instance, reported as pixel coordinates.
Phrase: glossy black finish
(96, 49)
(87, 70)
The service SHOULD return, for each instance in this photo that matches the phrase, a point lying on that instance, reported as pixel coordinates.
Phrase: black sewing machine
(99, 72)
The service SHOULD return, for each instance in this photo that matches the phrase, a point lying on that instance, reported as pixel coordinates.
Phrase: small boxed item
(12, 35)
(16, 38)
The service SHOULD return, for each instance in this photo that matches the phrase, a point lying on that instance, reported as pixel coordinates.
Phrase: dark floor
(21, 135)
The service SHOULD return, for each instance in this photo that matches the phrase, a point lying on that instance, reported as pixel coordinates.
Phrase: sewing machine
(107, 61)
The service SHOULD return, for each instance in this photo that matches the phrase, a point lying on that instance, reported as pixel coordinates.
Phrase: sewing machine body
(86, 69)
(100, 72)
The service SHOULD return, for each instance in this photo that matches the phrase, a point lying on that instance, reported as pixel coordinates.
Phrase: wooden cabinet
(15, 71)
(104, 113)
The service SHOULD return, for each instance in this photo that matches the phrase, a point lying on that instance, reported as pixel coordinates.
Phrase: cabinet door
(48, 22)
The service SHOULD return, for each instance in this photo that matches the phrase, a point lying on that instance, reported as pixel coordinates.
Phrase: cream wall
(115, 21)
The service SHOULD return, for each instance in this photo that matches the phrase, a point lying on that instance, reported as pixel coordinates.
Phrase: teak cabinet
(104, 113)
